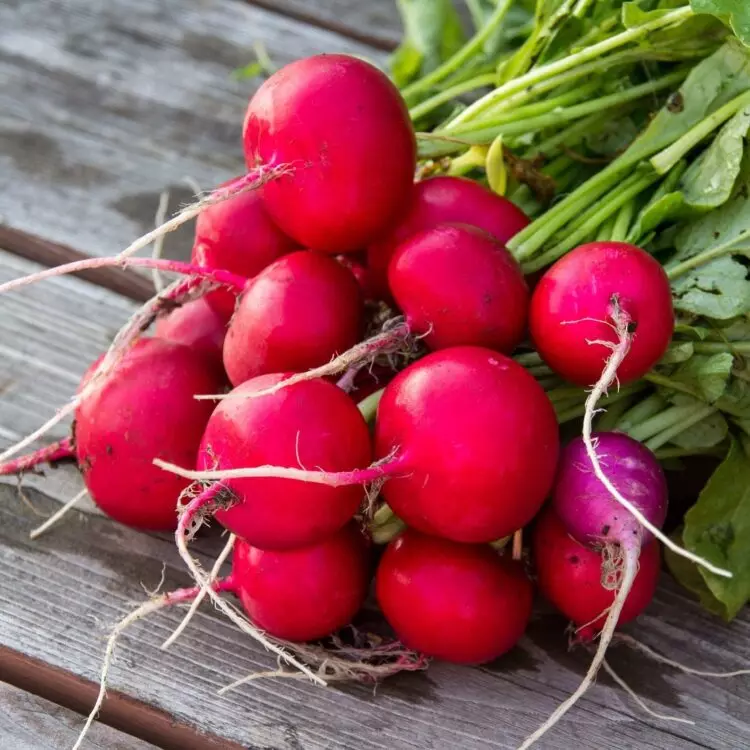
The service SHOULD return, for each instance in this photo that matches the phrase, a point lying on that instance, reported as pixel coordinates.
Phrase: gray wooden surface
(59, 594)
(28, 722)
(103, 105)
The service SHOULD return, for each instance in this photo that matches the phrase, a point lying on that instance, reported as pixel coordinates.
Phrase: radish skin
(444, 200)
(458, 602)
(297, 314)
(237, 235)
(344, 129)
(460, 476)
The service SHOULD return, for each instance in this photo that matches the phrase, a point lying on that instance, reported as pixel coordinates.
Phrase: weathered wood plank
(375, 22)
(67, 587)
(49, 334)
(104, 105)
(28, 722)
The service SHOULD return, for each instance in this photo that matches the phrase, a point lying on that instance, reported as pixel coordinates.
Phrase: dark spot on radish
(605, 530)
(574, 559)
(108, 450)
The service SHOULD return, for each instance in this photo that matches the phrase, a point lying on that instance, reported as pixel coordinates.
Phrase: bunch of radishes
(465, 443)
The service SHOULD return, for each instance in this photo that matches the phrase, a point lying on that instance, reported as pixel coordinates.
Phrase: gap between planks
(119, 711)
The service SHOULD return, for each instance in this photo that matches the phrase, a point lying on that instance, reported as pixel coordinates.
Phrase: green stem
(666, 435)
(605, 230)
(667, 185)
(613, 398)
(484, 131)
(592, 219)
(528, 359)
(565, 393)
(571, 135)
(725, 248)
(717, 347)
(664, 420)
(388, 531)
(368, 407)
(666, 159)
(656, 379)
(530, 239)
(643, 410)
(622, 222)
(609, 419)
(592, 52)
(529, 111)
(425, 107)
(463, 55)
(665, 453)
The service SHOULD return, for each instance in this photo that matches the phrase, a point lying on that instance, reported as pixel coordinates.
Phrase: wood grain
(28, 722)
(104, 105)
(87, 574)
(375, 22)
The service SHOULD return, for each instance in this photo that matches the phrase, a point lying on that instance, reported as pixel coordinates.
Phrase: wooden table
(103, 105)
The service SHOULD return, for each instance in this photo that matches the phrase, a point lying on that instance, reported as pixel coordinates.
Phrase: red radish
(343, 130)
(195, 324)
(476, 444)
(459, 287)
(569, 575)
(144, 410)
(361, 273)
(305, 593)
(592, 515)
(312, 425)
(588, 294)
(458, 602)
(445, 200)
(297, 314)
(237, 235)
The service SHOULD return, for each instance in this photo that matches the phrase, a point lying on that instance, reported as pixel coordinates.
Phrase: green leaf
(405, 63)
(706, 434)
(679, 351)
(711, 83)
(736, 399)
(251, 70)
(687, 575)
(717, 527)
(735, 13)
(432, 33)
(710, 179)
(707, 374)
(694, 332)
(633, 15)
(719, 289)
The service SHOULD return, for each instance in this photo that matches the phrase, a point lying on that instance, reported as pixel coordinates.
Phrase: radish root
(251, 181)
(213, 575)
(159, 219)
(394, 337)
(622, 327)
(638, 700)
(55, 517)
(629, 572)
(154, 605)
(638, 646)
(62, 450)
(193, 515)
(377, 471)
